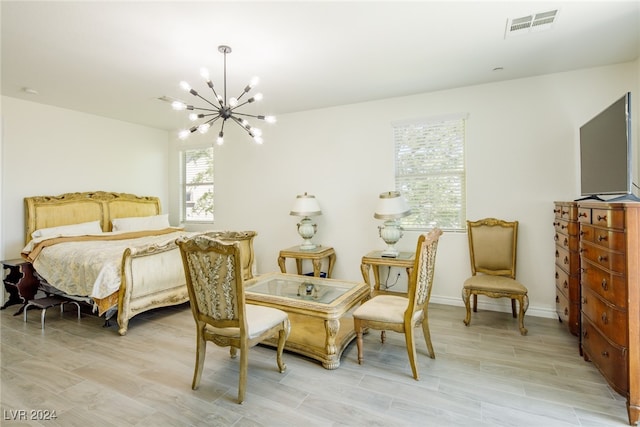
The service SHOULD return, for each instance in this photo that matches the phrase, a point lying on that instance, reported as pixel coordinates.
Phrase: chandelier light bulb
(220, 139)
(233, 102)
(205, 74)
(185, 86)
(254, 81)
(183, 134)
(204, 128)
(193, 117)
(270, 119)
(258, 140)
(177, 105)
(256, 131)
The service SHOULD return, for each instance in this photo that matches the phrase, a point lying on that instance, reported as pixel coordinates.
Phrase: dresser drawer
(610, 320)
(566, 227)
(584, 215)
(566, 212)
(603, 257)
(612, 287)
(566, 258)
(610, 239)
(562, 306)
(610, 359)
(610, 218)
(566, 241)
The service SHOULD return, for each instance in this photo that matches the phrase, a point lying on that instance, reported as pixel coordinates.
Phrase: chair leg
(411, 350)
(233, 352)
(201, 351)
(513, 308)
(427, 336)
(465, 297)
(244, 366)
(523, 302)
(357, 326)
(282, 338)
(475, 303)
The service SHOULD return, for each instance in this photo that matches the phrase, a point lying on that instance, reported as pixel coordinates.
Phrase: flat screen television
(606, 154)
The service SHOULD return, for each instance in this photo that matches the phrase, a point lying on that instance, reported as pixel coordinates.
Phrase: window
(197, 182)
(430, 171)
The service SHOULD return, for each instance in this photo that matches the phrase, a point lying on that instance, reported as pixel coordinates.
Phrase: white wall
(50, 151)
(522, 154)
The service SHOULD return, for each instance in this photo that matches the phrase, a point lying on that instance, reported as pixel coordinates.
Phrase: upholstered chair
(216, 291)
(493, 245)
(399, 313)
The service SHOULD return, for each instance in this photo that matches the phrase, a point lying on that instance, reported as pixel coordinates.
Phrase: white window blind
(197, 187)
(430, 171)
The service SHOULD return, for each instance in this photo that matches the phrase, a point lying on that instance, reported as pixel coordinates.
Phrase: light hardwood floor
(486, 374)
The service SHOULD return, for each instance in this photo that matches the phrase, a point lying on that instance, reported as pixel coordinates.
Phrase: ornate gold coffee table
(319, 311)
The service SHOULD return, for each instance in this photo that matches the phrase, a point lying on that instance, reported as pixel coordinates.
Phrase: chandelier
(222, 108)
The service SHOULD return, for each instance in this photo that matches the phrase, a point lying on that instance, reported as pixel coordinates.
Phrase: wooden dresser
(610, 279)
(567, 271)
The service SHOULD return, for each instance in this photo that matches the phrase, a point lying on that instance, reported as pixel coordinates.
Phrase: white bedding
(90, 268)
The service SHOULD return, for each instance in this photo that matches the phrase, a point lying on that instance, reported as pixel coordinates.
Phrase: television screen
(605, 151)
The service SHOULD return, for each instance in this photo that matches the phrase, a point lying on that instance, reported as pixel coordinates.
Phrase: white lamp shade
(391, 205)
(305, 205)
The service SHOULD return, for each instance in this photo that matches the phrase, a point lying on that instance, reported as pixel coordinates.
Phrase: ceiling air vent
(531, 23)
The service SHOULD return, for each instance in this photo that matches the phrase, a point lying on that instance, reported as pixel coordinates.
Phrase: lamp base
(307, 245)
(390, 252)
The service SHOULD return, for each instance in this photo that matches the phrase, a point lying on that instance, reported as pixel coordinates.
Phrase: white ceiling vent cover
(531, 23)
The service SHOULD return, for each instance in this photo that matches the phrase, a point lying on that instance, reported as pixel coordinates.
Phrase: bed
(113, 250)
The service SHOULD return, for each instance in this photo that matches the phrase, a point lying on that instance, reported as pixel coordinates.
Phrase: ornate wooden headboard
(76, 208)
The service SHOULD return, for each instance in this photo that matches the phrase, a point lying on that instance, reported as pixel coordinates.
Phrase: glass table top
(302, 288)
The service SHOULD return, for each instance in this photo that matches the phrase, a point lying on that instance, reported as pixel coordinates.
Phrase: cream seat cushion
(259, 319)
(490, 283)
(385, 308)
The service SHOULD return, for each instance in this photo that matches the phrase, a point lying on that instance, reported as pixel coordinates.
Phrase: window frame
(458, 123)
(184, 185)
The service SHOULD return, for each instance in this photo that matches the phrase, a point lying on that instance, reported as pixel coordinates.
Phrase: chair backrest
(214, 281)
(421, 279)
(493, 246)
(245, 238)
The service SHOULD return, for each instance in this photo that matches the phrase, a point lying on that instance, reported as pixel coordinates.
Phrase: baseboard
(497, 304)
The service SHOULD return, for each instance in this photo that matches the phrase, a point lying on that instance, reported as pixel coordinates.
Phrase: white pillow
(156, 222)
(92, 227)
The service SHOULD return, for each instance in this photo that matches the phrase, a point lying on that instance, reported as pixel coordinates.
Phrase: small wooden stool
(48, 302)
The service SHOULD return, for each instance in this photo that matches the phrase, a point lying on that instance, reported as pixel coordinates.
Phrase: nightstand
(20, 282)
(403, 260)
(315, 255)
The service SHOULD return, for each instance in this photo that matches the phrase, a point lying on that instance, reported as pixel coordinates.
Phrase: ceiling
(115, 59)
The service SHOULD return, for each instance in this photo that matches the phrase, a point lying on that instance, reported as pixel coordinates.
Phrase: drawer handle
(566, 311)
(601, 238)
(564, 212)
(566, 242)
(604, 318)
(556, 210)
(604, 284)
(566, 284)
(557, 254)
(584, 300)
(555, 238)
(566, 260)
(563, 226)
(605, 354)
(602, 258)
(557, 299)
(602, 218)
(583, 214)
(555, 224)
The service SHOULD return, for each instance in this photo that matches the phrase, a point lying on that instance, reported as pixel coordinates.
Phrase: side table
(20, 283)
(403, 260)
(315, 255)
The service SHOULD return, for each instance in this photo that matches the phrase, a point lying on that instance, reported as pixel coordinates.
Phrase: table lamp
(391, 207)
(306, 206)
